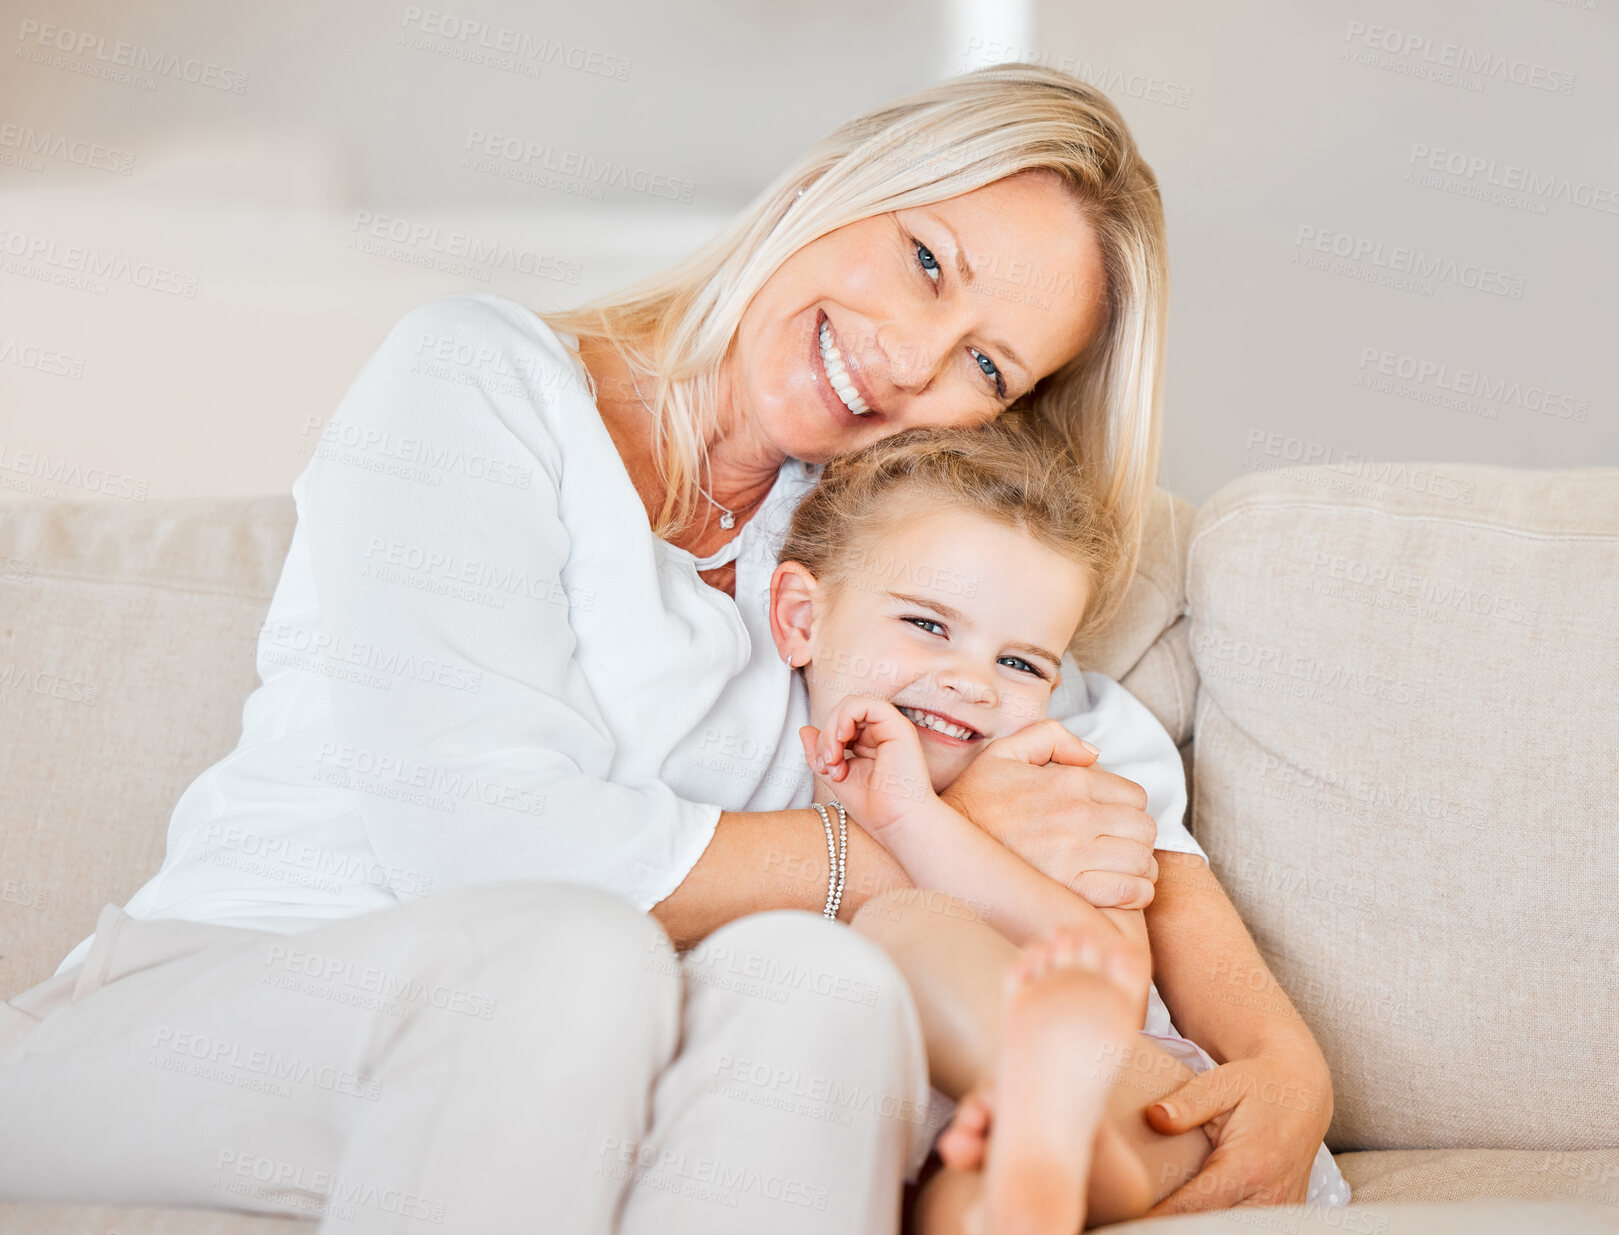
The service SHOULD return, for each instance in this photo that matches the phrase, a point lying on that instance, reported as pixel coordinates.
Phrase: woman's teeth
(927, 720)
(838, 373)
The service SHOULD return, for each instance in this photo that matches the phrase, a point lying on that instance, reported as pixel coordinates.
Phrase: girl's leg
(957, 968)
(800, 1093)
(468, 1062)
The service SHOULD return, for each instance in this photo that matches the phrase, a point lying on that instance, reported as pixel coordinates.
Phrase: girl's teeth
(926, 720)
(838, 373)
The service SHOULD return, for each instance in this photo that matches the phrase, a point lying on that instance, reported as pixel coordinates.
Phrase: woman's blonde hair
(936, 143)
(1005, 471)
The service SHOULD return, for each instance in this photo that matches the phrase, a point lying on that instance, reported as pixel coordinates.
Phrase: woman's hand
(1267, 1113)
(884, 779)
(1036, 793)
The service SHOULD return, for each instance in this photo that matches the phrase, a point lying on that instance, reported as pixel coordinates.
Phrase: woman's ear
(792, 612)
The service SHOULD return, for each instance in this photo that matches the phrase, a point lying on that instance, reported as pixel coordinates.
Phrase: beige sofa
(1397, 688)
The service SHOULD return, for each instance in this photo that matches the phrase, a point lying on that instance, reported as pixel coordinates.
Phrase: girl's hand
(1266, 1115)
(885, 778)
(1036, 793)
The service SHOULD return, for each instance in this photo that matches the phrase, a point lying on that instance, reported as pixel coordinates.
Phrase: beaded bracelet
(836, 858)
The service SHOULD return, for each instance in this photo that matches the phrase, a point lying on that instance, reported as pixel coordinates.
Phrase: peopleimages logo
(521, 159)
(1465, 384)
(86, 44)
(1538, 185)
(1397, 260)
(1419, 55)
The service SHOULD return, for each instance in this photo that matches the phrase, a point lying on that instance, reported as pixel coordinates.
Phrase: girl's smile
(958, 620)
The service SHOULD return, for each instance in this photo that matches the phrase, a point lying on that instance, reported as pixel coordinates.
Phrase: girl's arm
(941, 848)
(870, 755)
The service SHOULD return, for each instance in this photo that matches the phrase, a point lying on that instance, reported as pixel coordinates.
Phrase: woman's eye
(924, 622)
(1019, 663)
(988, 368)
(925, 259)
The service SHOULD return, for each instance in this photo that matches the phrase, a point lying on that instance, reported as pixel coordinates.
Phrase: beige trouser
(513, 1057)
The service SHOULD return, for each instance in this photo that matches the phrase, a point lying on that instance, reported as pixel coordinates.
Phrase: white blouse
(480, 664)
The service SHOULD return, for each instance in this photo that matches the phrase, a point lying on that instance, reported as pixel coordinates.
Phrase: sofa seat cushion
(37, 1219)
(1414, 1176)
(1469, 1218)
(1406, 780)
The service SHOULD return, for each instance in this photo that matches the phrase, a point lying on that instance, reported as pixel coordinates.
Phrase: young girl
(927, 588)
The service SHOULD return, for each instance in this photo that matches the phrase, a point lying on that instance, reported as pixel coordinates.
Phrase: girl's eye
(988, 368)
(1020, 663)
(925, 259)
(922, 621)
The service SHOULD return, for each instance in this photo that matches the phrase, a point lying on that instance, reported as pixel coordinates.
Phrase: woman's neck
(741, 470)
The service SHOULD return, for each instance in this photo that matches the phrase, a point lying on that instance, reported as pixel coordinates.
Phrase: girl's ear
(792, 612)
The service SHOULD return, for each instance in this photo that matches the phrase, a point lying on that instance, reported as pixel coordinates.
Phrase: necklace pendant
(727, 520)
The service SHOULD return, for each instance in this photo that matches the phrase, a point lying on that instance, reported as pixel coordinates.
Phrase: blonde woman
(521, 736)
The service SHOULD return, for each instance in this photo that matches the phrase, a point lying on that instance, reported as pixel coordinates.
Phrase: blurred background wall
(1394, 228)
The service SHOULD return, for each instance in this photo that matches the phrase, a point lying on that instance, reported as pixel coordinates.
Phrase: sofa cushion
(1144, 645)
(38, 1219)
(1472, 1218)
(1410, 1176)
(1406, 780)
(126, 652)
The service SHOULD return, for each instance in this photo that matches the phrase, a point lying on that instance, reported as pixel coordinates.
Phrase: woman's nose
(914, 355)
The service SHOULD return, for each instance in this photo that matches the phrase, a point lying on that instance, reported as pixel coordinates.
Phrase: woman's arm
(1273, 1079)
(510, 767)
(762, 860)
(777, 860)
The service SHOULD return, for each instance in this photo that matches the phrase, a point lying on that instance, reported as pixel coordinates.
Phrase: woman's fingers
(1108, 787)
(1107, 890)
(1199, 1100)
(1045, 741)
(1223, 1182)
(1125, 838)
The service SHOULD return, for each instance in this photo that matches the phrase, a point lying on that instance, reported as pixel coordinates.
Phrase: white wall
(1278, 145)
(252, 209)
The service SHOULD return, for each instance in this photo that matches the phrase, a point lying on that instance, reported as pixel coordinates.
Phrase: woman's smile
(841, 388)
(840, 374)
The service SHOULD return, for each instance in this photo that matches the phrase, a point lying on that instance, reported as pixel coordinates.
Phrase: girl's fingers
(810, 737)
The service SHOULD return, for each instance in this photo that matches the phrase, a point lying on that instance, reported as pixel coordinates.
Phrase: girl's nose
(971, 682)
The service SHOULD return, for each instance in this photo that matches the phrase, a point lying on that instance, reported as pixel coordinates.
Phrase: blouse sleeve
(1132, 744)
(432, 518)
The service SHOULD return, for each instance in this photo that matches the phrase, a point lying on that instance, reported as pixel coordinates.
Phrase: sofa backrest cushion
(1406, 777)
(127, 637)
(1144, 645)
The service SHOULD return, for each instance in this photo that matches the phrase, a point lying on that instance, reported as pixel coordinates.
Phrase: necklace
(727, 517)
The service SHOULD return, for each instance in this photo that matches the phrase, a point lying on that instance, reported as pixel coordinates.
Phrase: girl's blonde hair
(1006, 471)
(936, 143)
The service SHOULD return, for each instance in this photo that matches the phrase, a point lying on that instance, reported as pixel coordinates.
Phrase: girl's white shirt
(480, 664)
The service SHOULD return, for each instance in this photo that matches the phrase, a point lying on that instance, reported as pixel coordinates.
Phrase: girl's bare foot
(961, 1144)
(1070, 1015)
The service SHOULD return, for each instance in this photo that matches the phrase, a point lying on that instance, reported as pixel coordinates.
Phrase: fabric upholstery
(1406, 778)
(1399, 1176)
(1144, 645)
(127, 634)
